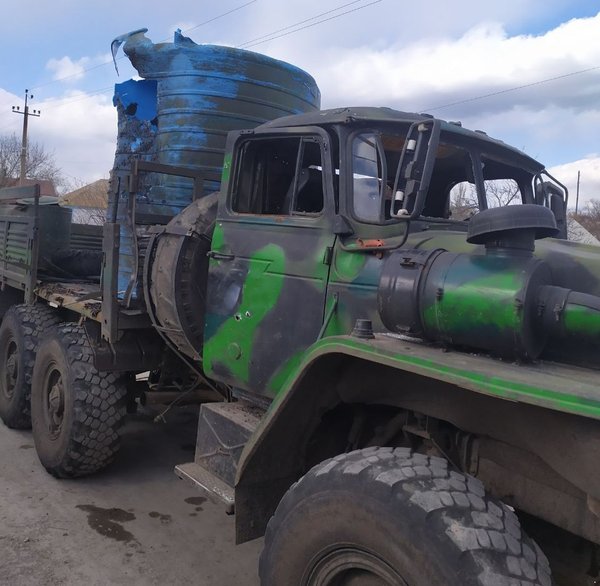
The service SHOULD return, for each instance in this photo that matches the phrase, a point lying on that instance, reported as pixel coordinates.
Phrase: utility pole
(26, 113)
(577, 198)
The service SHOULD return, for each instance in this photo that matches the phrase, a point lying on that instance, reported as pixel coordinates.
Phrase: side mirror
(414, 169)
(554, 196)
(559, 209)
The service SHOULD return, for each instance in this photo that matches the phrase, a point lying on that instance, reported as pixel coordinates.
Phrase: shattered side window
(279, 176)
(367, 177)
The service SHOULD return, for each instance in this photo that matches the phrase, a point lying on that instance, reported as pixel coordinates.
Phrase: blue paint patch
(138, 98)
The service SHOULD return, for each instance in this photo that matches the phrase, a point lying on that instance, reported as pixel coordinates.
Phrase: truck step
(223, 430)
(217, 490)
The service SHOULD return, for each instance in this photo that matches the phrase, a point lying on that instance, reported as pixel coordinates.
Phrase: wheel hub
(55, 402)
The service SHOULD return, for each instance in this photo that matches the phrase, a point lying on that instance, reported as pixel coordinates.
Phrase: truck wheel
(75, 410)
(21, 330)
(384, 516)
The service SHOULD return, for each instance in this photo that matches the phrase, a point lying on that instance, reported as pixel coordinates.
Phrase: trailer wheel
(384, 516)
(20, 332)
(76, 411)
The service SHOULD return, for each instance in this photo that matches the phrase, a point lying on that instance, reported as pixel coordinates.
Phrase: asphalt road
(134, 524)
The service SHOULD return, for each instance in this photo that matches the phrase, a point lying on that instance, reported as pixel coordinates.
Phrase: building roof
(578, 233)
(92, 195)
(46, 186)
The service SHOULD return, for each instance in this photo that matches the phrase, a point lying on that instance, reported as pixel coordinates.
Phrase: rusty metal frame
(138, 167)
(113, 318)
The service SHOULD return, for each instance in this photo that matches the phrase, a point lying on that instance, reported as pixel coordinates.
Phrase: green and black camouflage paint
(274, 279)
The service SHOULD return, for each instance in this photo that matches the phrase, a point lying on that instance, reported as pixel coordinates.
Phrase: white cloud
(79, 130)
(429, 73)
(407, 61)
(66, 69)
(589, 184)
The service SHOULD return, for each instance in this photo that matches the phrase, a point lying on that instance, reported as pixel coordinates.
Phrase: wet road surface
(134, 524)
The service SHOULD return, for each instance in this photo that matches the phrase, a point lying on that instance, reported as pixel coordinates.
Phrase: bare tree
(463, 201)
(499, 193)
(502, 192)
(40, 162)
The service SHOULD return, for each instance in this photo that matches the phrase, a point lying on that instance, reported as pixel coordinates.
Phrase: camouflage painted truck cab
(426, 352)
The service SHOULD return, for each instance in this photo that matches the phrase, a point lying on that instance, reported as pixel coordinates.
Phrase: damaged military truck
(399, 388)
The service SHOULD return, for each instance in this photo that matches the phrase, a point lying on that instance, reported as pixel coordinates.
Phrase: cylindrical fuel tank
(484, 301)
(203, 92)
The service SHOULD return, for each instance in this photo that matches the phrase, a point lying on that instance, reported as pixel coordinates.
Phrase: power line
(187, 30)
(85, 70)
(299, 23)
(512, 89)
(272, 38)
(53, 104)
(248, 43)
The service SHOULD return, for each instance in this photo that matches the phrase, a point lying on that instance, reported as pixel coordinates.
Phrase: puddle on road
(195, 500)
(26, 447)
(165, 519)
(107, 522)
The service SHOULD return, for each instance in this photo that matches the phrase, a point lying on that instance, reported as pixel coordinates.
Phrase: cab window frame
(303, 136)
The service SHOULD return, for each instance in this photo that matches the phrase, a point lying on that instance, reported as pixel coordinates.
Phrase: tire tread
(99, 405)
(486, 530)
(34, 320)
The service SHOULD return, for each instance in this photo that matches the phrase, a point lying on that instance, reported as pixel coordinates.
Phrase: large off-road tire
(76, 411)
(20, 333)
(383, 516)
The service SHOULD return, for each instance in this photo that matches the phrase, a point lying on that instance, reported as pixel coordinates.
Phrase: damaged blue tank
(202, 92)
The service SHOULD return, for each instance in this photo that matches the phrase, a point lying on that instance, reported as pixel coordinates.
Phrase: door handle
(219, 255)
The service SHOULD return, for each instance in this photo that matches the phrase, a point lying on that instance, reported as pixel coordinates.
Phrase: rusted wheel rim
(350, 566)
(54, 401)
(11, 369)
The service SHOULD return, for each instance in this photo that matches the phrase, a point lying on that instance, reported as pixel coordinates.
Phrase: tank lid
(494, 223)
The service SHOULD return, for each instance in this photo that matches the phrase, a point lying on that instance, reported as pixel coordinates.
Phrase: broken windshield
(463, 182)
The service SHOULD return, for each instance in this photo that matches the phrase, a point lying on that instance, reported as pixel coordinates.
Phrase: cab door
(269, 262)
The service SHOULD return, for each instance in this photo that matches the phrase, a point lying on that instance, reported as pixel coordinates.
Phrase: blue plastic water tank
(203, 92)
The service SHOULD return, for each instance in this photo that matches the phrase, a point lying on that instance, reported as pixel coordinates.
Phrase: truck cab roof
(362, 115)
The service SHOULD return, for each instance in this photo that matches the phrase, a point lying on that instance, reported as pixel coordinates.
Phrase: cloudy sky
(525, 71)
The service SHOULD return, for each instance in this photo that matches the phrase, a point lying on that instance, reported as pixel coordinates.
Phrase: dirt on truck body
(396, 388)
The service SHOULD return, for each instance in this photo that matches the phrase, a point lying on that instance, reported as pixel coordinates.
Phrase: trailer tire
(20, 333)
(390, 516)
(78, 263)
(76, 410)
